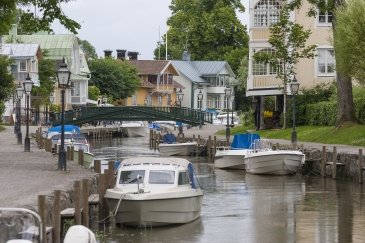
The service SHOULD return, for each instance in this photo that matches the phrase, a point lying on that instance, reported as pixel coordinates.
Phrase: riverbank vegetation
(348, 134)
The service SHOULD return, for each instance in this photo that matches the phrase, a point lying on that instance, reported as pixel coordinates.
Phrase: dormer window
(22, 65)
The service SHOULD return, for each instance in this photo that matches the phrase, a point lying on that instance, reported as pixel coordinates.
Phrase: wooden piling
(85, 202)
(111, 165)
(81, 157)
(97, 166)
(209, 146)
(68, 153)
(77, 188)
(151, 138)
(215, 146)
(324, 159)
(56, 217)
(42, 213)
(101, 192)
(361, 168)
(72, 153)
(334, 165)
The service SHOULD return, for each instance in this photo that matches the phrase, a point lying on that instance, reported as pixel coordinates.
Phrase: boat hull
(177, 149)
(156, 212)
(140, 131)
(230, 159)
(274, 162)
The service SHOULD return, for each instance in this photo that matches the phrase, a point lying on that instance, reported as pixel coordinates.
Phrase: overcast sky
(133, 25)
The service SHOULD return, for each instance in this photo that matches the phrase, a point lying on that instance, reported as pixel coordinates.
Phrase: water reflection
(239, 207)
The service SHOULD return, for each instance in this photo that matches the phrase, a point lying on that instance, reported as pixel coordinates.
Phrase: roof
(195, 70)
(146, 84)
(145, 67)
(157, 160)
(21, 50)
(57, 46)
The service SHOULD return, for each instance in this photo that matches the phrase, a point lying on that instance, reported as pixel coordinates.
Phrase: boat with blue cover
(170, 146)
(233, 157)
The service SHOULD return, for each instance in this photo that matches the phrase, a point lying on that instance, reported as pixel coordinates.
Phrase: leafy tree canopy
(88, 49)
(47, 76)
(114, 77)
(350, 42)
(6, 80)
(94, 92)
(208, 29)
(36, 15)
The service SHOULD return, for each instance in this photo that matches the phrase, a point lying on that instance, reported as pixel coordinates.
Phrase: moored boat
(170, 147)
(264, 160)
(233, 157)
(155, 191)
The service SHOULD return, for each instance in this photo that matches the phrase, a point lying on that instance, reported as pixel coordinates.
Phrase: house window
(324, 17)
(159, 100)
(214, 102)
(75, 91)
(170, 77)
(169, 101)
(263, 68)
(266, 13)
(325, 62)
(22, 65)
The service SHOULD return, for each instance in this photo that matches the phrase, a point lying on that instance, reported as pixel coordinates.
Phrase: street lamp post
(63, 76)
(28, 84)
(200, 101)
(294, 87)
(180, 97)
(227, 94)
(19, 96)
(51, 100)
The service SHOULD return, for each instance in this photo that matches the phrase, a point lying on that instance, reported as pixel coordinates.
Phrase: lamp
(19, 95)
(227, 94)
(63, 76)
(200, 102)
(294, 87)
(180, 97)
(28, 84)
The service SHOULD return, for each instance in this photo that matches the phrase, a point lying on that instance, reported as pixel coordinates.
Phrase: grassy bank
(349, 134)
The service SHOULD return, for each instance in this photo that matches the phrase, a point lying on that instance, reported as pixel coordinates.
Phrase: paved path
(25, 175)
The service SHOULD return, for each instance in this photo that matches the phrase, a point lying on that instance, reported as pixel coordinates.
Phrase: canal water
(239, 207)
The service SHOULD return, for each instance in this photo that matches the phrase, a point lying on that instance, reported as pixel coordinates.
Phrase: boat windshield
(161, 177)
(131, 176)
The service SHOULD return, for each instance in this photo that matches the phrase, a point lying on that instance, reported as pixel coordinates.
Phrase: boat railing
(260, 145)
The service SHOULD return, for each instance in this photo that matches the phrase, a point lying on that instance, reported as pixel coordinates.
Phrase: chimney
(121, 54)
(133, 55)
(108, 53)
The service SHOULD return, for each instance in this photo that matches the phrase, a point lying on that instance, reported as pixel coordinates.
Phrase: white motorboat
(233, 157)
(134, 128)
(155, 191)
(170, 147)
(88, 156)
(263, 160)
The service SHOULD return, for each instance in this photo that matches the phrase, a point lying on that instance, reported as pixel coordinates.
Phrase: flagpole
(166, 40)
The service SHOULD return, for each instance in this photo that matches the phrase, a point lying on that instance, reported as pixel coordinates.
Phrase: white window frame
(21, 63)
(76, 89)
(326, 59)
(266, 13)
(261, 68)
(134, 99)
(324, 19)
(159, 100)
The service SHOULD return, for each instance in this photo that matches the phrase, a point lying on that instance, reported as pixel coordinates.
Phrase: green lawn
(348, 134)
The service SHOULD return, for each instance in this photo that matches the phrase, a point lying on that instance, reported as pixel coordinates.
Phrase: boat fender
(80, 234)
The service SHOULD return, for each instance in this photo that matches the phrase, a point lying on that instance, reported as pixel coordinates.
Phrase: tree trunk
(345, 105)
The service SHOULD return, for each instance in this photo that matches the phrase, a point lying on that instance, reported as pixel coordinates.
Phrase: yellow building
(158, 87)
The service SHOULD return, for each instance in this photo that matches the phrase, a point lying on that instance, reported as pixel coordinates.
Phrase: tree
(345, 105)
(350, 40)
(288, 41)
(114, 77)
(45, 12)
(88, 49)
(47, 77)
(94, 92)
(6, 82)
(209, 30)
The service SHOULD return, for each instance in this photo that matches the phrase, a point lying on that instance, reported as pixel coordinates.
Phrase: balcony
(260, 34)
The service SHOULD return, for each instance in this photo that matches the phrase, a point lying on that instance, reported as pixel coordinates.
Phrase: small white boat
(170, 147)
(233, 157)
(88, 156)
(134, 128)
(263, 160)
(155, 191)
(21, 225)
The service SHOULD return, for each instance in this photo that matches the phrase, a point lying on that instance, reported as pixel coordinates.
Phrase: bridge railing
(142, 113)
